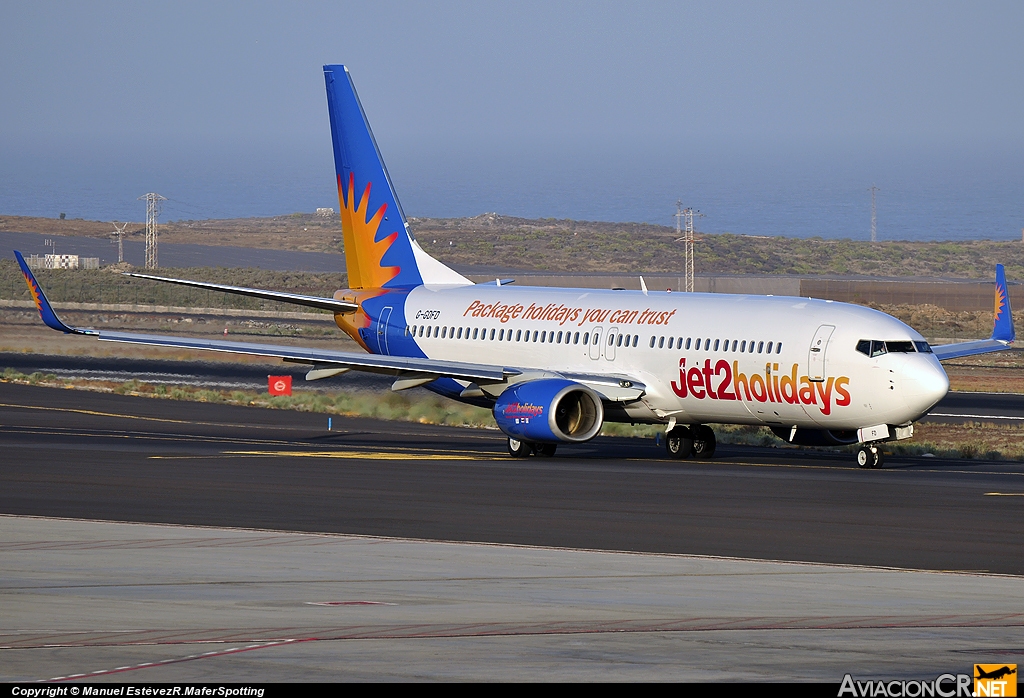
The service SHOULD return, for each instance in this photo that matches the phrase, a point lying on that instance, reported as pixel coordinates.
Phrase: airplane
(554, 364)
(995, 674)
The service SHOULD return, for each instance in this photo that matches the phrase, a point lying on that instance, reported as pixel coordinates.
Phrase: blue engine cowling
(549, 410)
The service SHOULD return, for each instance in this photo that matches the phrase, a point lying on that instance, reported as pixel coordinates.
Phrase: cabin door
(382, 330)
(816, 354)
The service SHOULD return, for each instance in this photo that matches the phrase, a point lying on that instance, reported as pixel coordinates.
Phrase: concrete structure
(128, 602)
(62, 261)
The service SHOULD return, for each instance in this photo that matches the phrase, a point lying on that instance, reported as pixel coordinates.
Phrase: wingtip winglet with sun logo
(46, 312)
(1002, 327)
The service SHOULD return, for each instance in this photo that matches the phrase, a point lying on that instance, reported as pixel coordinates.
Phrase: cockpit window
(900, 347)
(874, 347)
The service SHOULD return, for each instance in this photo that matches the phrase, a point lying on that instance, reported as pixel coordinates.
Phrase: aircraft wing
(981, 346)
(392, 365)
(410, 370)
(293, 298)
(1003, 332)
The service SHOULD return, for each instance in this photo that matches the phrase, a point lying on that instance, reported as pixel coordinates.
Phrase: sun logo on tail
(34, 291)
(363, 252)
(1000, 300)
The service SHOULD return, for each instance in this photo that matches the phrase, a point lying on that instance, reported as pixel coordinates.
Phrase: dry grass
(989, 441)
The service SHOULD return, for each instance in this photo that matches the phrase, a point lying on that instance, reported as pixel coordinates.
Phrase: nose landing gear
(869, 456)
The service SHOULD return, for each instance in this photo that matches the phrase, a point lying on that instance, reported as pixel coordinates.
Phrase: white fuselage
(723, 371)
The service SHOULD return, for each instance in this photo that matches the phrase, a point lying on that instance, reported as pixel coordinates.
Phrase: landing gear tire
(519, 449)
(678, 443)
(704, 442)
(545, 450)
(869, 457)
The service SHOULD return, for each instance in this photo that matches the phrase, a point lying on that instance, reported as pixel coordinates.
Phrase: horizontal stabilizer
(331, 304)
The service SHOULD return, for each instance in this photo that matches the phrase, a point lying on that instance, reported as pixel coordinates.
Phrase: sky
(218, 87)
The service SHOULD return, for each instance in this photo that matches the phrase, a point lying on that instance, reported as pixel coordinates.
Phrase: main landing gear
(869, 456)
(697, 441)
(523, 449)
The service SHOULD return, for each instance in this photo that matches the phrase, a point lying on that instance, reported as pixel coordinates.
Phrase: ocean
(923, 193)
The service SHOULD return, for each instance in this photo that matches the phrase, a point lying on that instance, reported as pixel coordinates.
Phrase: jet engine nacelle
(817, 437)
(549, 410)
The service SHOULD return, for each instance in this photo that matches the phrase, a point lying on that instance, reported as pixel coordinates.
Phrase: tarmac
(100, 601)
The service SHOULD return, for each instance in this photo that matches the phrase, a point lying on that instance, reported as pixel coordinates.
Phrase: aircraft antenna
(152, 210)
(874, 231)
(684, 233)
(119, 234)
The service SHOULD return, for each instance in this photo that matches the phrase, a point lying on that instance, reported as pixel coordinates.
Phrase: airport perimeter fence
(103, 287)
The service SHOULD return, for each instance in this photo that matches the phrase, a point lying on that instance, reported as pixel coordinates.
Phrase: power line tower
(119, 234)
(684, 229)
(152, 210)
(874, 230)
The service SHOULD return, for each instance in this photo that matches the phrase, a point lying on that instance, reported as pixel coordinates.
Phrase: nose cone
(924, 383)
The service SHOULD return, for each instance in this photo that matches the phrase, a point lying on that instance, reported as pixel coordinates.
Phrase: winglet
(1002, 326)
(42, 305)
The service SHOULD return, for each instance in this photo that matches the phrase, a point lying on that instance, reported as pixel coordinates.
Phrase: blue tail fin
(379, 250)
(1002, 328)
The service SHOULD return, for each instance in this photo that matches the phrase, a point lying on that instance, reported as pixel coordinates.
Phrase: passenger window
(707, 344)
(618, 342)
(769, 347)
(716, 344)
(670, 339)
(636, 338)
(475, 331)
(661, 342)
(778, 348)
(519, 335)
(653, 340)
(535, 335)
(760, 347)
(586, 338)
(687, 342)
(576, 338)
(743, 346)
(559, 341)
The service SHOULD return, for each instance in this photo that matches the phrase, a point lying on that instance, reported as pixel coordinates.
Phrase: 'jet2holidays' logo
(520, 412)
(724, 381)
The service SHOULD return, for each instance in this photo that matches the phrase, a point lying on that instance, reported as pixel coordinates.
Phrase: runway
(109, 457)
(258, 546)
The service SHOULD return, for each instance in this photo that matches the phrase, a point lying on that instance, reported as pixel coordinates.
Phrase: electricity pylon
(152, 210)
(119, 234)
(685, 234)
